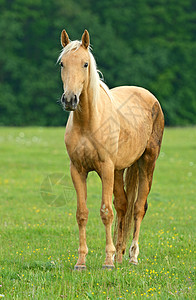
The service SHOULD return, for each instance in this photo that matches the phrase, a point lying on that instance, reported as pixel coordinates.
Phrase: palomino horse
(116, 133)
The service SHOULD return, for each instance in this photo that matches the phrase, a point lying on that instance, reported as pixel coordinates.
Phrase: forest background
(145, 43)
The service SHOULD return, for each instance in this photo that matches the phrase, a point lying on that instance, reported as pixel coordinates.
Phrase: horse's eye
(61, 64)
(86, 65)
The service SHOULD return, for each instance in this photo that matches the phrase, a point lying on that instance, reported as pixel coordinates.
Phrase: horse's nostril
(75, 99)
(63, 98)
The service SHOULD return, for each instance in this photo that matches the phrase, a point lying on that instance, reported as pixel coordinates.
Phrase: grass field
(39, 233)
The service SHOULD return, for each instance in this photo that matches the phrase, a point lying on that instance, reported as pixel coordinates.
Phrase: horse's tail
(131, 187)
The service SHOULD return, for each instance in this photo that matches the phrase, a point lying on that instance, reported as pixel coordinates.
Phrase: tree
(145, 43)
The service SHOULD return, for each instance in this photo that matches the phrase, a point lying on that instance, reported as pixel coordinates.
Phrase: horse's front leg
(79, 181)
(106, 212)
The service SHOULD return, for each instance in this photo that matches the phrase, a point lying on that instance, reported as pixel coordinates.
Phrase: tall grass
(39, 234)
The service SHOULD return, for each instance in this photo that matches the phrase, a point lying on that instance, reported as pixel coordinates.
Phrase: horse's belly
(128, 156)
(131, 146)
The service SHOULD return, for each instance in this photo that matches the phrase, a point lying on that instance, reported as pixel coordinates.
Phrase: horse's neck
(85, 115)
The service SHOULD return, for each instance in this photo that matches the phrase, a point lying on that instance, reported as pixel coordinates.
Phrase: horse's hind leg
(146, 168)
(146, 165)
(120, 203)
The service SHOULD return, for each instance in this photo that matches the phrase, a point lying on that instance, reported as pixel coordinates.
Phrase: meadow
(39, 233)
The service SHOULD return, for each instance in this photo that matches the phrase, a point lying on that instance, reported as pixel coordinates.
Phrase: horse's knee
(82, 217)
(106, 214)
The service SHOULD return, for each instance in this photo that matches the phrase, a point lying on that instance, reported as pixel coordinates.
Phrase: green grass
(39, 238)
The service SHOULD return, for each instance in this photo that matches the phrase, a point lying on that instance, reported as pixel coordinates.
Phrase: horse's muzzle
(69, 103)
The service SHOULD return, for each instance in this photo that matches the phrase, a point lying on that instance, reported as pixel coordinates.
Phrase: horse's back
(137, 109)
(136, 105)
(133, 94)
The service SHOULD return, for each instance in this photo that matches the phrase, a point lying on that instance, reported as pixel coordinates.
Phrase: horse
(117, 133)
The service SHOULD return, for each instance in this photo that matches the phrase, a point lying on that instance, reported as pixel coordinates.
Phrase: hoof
(133, 262)
(108, 267)
(79, 267)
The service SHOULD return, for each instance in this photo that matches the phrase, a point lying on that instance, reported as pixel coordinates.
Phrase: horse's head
(74, 63)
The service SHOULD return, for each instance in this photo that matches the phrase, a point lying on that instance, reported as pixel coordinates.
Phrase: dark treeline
(146, 43)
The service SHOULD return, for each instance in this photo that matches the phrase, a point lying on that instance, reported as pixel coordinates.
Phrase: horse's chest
(83, 155)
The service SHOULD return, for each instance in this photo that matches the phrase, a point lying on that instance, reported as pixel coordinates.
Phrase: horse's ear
(85, 39)
(64, 38)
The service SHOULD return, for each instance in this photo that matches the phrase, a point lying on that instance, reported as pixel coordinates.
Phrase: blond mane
(95, 80)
